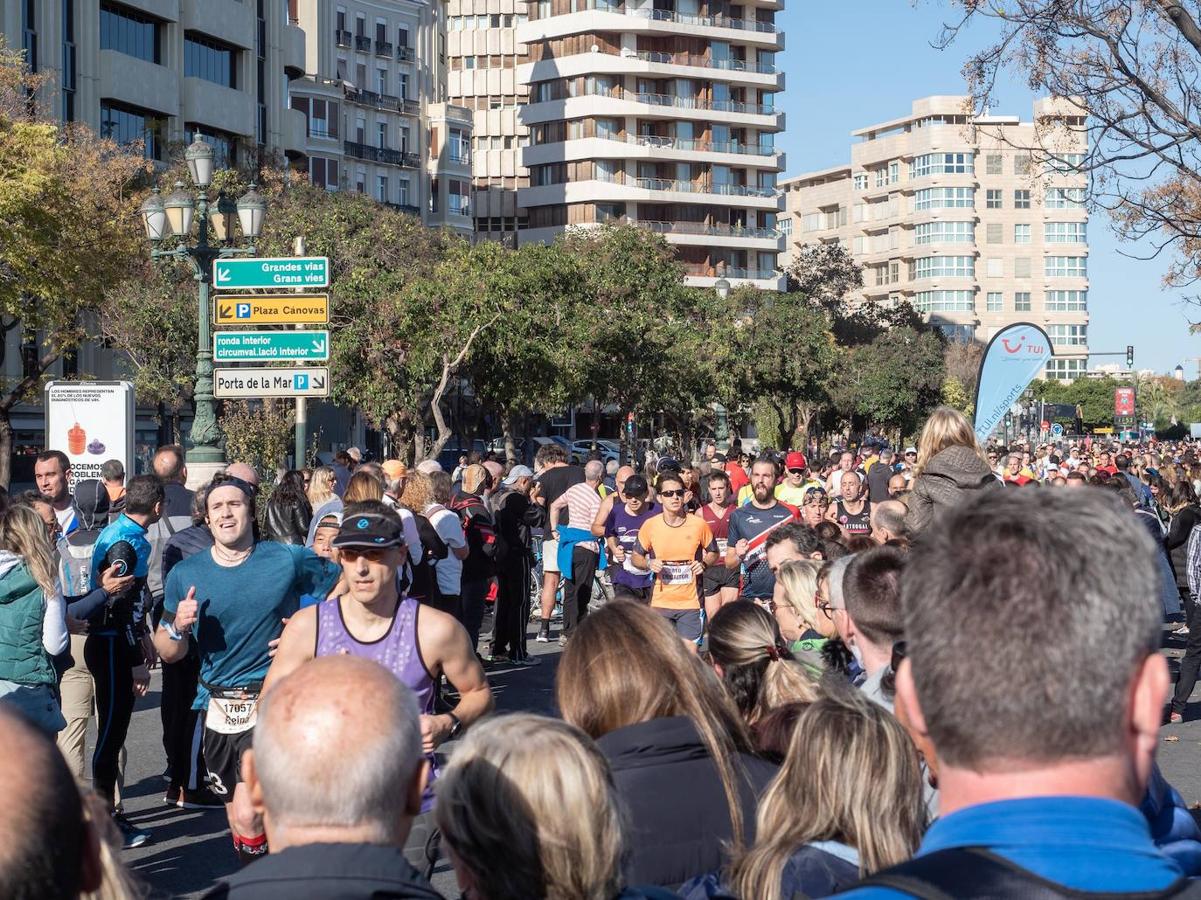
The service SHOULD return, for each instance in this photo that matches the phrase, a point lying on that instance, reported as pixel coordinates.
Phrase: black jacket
(287, 523)
(679, 819)
(328, 872)
(1176, 542)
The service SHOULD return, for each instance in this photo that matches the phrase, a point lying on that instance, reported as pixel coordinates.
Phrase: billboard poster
(1013, 358)
(1123, 402)
(91, 422)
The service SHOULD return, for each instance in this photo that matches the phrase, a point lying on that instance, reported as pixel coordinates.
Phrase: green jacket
(23, 660)
(808, 652)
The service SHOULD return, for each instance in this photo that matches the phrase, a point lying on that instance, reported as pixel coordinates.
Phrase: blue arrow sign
(270, 346)
(271, 272)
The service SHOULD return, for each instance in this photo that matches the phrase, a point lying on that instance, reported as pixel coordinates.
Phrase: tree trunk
(11, 399)
(510, 442)
(6, 448)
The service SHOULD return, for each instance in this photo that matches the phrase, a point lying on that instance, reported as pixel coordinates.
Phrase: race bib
(231, 716)
(722, 546)
(677, 573)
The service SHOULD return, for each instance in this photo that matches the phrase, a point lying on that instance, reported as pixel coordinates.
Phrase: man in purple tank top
(374, 620)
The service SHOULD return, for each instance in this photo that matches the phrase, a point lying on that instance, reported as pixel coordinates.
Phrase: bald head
(496, 470)
(169, 464)
(45, 848)
(622, 476)
(244, 471)
(888, 520)
(337, 748)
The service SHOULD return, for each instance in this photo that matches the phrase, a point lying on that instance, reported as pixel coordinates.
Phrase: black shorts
(718, 577)
(639, 595)
(223, 758)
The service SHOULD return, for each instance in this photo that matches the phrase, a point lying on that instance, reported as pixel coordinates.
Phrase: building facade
(977, 221)
(663, 114)
(483, 56)
(375, 114)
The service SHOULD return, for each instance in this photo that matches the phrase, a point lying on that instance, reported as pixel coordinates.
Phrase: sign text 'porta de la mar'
(298, 382)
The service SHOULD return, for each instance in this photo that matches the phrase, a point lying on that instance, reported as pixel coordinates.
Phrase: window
(1021, 267)
(381, 81)
(1065, 233)
(945, 301)
(992, 164)
(381, 188)
(995, 233)
(225, 146)
(881, 177)
(944, 233)
(381, 134)
(995, 301)
(1066, 301)
(1065, 162)
(129, 32)
(1021, 234)
(460, 146)
(402, 196)
(1067, 266)
(1064, 198)
(210, 59)
(1021, 199)
(894, 172)
(941, 164)
(1021, 164)
(127, 124)
(995, 267)
(1072, 335)
(861, 181)
(944, 267)
(945, 198)
(1065, 369)
(1021, 301)
(460, 198)
(957, 334)
(992, 199)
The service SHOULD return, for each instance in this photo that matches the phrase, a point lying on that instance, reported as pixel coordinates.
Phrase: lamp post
(721, 429)
(173, 217)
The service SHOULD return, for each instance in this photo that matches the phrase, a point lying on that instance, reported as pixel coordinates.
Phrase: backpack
(974, 873)
(75, 562)
(479, 528)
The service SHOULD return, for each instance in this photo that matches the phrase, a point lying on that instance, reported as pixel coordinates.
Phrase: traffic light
(1129, 356)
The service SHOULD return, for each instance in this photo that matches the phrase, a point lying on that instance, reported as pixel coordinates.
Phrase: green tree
(893, 381)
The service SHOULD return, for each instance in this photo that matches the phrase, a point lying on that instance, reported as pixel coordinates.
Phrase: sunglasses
(797, 471)
(676, 493)
(350, 554)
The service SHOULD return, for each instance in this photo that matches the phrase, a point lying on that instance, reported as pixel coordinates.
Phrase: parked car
(581, 451)
(448, 457)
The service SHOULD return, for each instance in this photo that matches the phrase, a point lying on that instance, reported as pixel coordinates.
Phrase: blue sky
(844, 70)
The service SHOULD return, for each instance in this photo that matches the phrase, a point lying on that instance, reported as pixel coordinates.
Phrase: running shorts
(717, 577)
(223, 757)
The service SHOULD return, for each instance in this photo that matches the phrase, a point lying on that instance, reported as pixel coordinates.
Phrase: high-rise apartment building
(375, 107)
(483, 56)
(978, 221)
(661, 113)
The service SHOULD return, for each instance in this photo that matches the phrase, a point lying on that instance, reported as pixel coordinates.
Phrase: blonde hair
(529, 808)
(474, 477)
(945, 428)
(625, 665)
(418, 493)
(835, 741)
(321, 486)
(757, 668)
(116, 882)
(24, 533)
(363, 486)
(798, 578)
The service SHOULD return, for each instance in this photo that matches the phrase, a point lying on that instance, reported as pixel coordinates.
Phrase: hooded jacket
(24, 658)
(953, 476)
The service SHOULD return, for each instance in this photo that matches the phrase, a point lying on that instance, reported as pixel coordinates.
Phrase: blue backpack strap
(974, 873)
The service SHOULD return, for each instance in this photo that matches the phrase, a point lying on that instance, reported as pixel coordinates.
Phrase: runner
(852, 513)
(846, 462)
(578, 554)
(797, 480)
(676, 545)
(814, 505)
(554, 477)
(373, 619)
(630, 582)
(720, 584)
(232, 601)
(749, 528)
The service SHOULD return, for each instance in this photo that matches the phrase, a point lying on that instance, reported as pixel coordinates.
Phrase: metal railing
(704, 271)
(704, 62)
(383, 48)
(405, 54)
(692, 144)
(715, 229)
(362, 42)
(384, 155)
(672, 100)
(406, 208)
(667, 15)
(342, 38)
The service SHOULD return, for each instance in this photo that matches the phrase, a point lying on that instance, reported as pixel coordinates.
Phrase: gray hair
(594, 470)
(112, 470)
(319, 780)
(1070, 570)
(890, 515)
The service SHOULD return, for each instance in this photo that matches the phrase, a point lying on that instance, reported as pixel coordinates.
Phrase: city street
(190, 850)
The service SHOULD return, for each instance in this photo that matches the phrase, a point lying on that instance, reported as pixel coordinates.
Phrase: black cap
(635, 487)
(370, 530)
(668, 464)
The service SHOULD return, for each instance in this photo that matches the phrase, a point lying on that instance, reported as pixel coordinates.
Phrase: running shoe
(1182, 630)
(173, 795)
(543, 635)
(201, 798)
(131, 835)
(527, 661)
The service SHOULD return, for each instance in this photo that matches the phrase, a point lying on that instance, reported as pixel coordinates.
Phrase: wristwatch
(456, 726)
(175, 634)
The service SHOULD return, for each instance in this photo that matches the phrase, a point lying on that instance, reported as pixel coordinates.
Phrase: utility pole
(302, 403)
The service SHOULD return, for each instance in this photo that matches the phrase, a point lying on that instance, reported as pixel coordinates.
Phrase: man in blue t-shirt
(749, 527)
(233, 601)
(1042, 753)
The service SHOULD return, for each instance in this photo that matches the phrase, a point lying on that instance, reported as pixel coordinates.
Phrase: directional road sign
(285, 309)
(1056, 430)
(270, 346)
(271, 272)
(306, 382)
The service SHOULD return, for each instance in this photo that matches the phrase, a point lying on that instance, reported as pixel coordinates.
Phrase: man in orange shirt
(676, 545)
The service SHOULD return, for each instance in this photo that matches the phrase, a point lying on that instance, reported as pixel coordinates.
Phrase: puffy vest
(22, 606)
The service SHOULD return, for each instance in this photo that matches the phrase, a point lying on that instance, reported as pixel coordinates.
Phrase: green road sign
(270, 346)
(271, 272)
(276, 309)
(307, 382)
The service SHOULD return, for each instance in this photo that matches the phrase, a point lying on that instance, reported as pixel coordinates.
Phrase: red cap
(795, 460)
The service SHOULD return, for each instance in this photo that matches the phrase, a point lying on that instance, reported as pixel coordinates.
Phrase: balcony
(593, 15)
(342, 38)
(705, 62)
(377, 101)
(703, 271)
(406, 208)
(362, 43)
(383, 155)
(383, 48)
(696, 187)
(405, 54)
(293, 51)
(712, 230)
